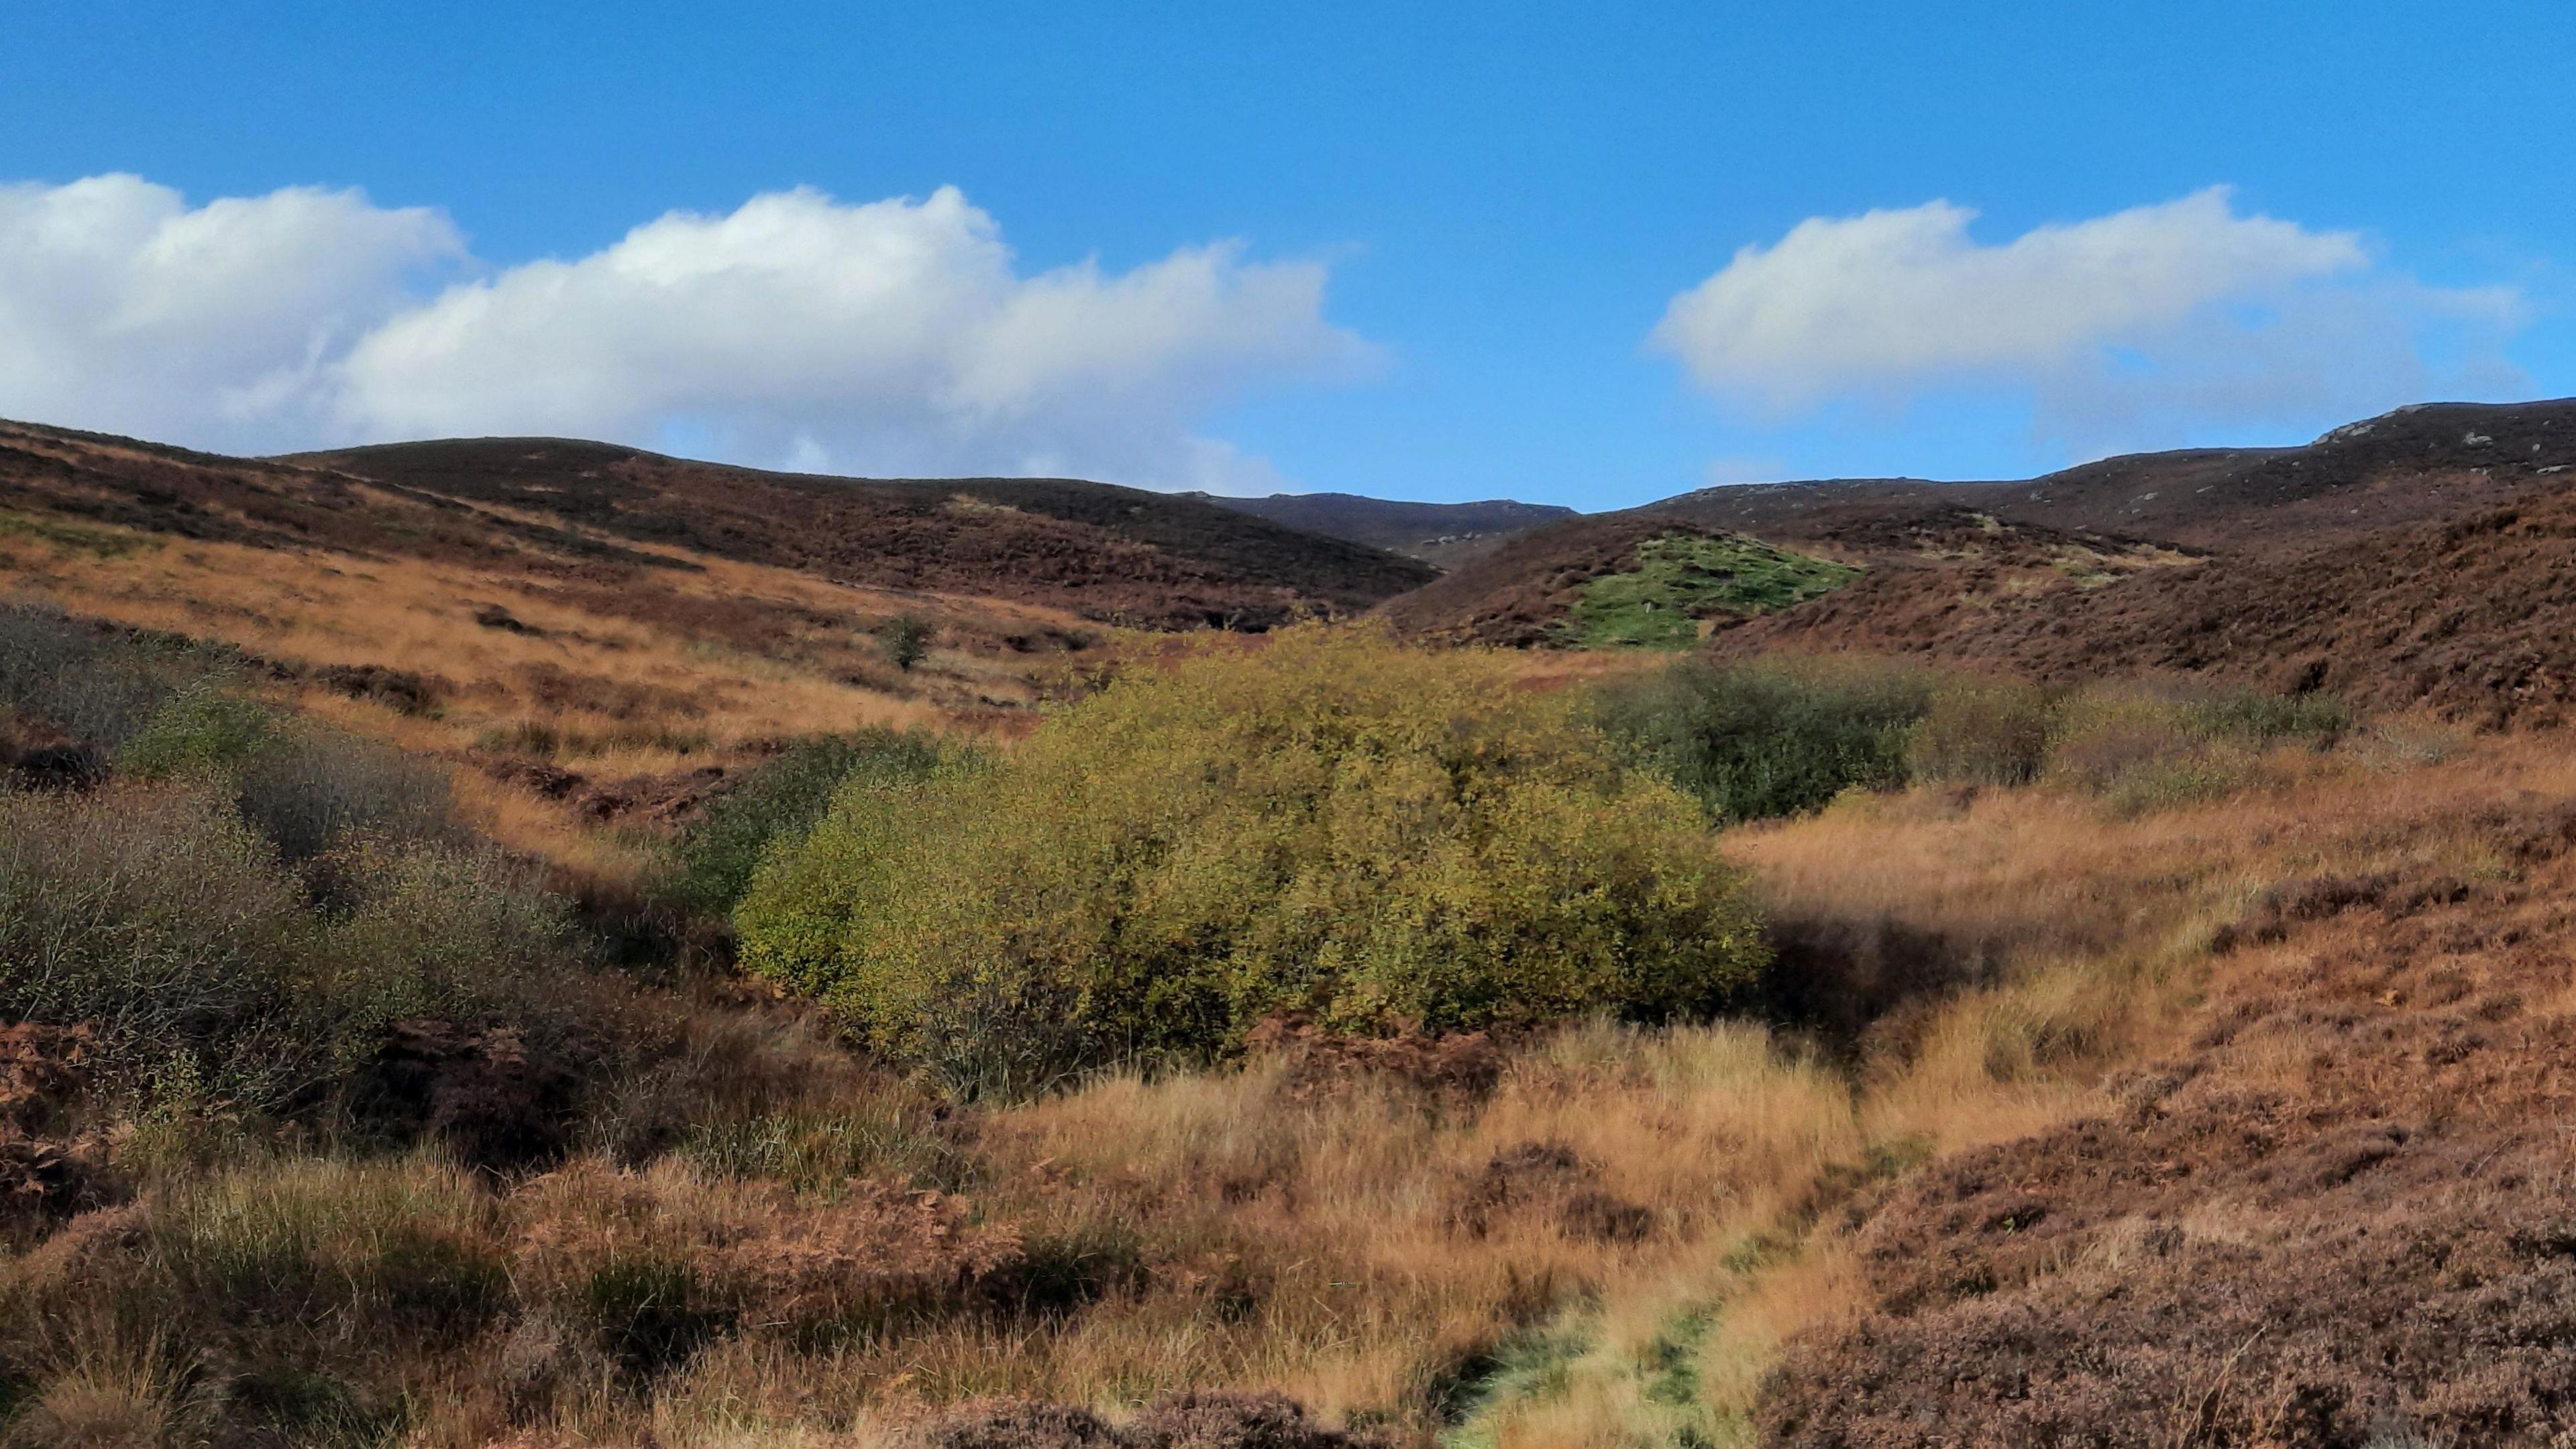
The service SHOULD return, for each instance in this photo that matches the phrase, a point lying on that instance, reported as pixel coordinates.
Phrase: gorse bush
(1752, 742)
(780, 801)
(1333, 824)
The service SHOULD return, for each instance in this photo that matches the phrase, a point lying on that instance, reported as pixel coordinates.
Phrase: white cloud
(888, 337)
(2122, 328)
(123, 308)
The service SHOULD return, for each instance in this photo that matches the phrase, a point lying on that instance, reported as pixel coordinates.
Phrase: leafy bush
(781, 800)
(1379, 836)
(200, 727)
(907, 640)
(1755, 742)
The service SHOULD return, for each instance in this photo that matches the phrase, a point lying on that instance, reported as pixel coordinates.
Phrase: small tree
(907, 640)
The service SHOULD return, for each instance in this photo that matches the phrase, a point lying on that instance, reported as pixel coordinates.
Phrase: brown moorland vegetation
(2411, 559)
(2138, 1064)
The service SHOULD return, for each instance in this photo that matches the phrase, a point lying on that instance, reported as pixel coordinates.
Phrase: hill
(1445, 534)
(2362, 558)
(1121, 555)
(2134, 1065)
(586, 632)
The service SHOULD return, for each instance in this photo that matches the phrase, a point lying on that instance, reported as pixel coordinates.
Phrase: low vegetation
(1682, 578)
(1334, 827)
(777, 802)
(1760, 741)
(1465, 1054)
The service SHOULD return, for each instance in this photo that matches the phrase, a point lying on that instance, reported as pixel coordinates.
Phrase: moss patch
(1682, 578)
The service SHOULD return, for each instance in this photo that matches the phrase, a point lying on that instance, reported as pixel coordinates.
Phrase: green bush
(1753, 742)
(1330, 824)
(907, 640)
(779, 801)
(200, 727)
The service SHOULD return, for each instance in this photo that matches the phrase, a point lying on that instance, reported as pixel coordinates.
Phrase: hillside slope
(1118, 554)
(2418, 557)
(584, 632)
(1445, 534)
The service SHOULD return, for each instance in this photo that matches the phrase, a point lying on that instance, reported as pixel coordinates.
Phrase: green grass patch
(74, 537)
(1682, 578)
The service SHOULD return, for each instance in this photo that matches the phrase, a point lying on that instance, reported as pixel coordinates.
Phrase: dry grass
(648, 676)
(1607, 1243)
(1603, 1246)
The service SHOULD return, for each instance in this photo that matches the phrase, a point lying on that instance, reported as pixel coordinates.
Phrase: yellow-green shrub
(1333, 824)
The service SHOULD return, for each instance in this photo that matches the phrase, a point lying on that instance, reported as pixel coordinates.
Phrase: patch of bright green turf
(1681, 578)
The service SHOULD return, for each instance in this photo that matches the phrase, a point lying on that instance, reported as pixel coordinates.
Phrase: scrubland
(328, 1120)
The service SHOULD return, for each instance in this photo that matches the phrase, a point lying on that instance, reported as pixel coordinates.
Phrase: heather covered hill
(1441, 533)
(1125, 555)
(2417, 557)
(1116, 555)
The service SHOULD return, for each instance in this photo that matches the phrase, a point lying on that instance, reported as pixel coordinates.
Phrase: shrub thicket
(163, 923)
(1773, 739)
(2143, 749)
(1752, 742)
(157, 917)
(1334, 824)
(1978, 731)
(98, 688)
(780, 801)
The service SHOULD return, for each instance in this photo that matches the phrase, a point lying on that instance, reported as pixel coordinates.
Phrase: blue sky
(1431, 252)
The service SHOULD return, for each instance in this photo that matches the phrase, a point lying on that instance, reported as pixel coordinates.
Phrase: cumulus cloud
(122, 307)
(893, 336)
(2119, 328)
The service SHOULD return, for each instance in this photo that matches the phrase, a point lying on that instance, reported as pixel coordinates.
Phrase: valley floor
(2234, 1122)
